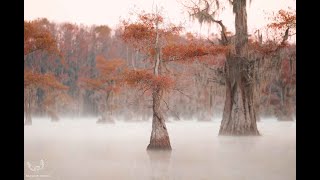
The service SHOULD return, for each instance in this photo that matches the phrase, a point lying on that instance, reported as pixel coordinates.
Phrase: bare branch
(176, 89)
(177, 116)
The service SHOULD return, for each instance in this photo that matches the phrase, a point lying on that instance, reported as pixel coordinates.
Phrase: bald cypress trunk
(285, 112)
(28, 117)
(53, 115)
(106, 111)
(159, 139)
(28, 103)
(239, 115)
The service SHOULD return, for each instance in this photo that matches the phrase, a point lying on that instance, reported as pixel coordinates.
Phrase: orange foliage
(133, 33)
(52, 98)
(142, 34)
(189, 36)
(91, 84)
(109, 78)
(283, 19)
(38, 37)
(103, 31)
(178, 52)
(283, 26)
(108, 68)
(266, 48)
(149, 19)
(44, 81)
(147, 80)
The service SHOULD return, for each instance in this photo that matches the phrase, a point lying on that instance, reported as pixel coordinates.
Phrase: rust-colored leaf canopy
(102, 31)
(283, 26)
(191, 51)
(37, 36)
(283, 19)
(52, 98)
(43, 81)
(146, 80)
(141, 34)
(109, 77)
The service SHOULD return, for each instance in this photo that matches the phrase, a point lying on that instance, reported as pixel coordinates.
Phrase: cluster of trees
(149, 68)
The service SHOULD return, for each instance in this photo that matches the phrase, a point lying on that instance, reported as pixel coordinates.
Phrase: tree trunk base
(28, 123)
(160, 144)
(55, 119)
(159, 147)
(239, 133)
(285, 118)
(28, 120)
(105, 121)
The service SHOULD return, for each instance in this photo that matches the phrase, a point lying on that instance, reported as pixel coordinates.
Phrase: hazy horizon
(98, 12)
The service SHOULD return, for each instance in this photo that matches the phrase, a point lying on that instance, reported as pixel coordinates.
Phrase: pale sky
(108, 12)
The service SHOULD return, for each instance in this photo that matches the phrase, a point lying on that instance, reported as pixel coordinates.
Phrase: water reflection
(83, 150)
(241, 143)
(159, 163)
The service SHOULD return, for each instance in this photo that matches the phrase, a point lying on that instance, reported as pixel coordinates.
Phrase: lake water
(80, 149)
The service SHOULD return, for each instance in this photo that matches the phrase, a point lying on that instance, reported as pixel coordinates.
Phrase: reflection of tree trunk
(160, 163)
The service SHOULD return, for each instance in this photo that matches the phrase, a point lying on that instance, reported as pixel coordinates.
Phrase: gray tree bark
(239, 115)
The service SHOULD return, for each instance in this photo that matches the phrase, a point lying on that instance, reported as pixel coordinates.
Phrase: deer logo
(36, 168)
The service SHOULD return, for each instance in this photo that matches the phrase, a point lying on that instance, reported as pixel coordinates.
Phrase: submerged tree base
(239, 133)
(159, 139)
(28, 123)
(284, 118)
(55, 119)
(161, 147)
(105, 121)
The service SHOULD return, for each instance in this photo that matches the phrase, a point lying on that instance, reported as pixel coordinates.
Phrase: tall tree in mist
(48, 83)
(239, 114)
(161, 44)
(146, 35)
(283, 58)
(240, 69)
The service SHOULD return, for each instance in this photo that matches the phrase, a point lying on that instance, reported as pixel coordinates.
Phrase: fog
(81, 149)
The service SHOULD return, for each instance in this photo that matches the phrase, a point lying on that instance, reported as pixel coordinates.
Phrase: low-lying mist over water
(80, 149)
